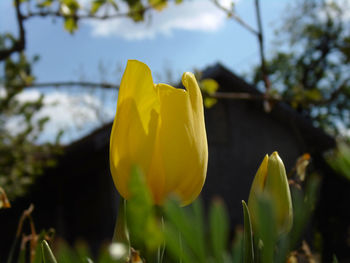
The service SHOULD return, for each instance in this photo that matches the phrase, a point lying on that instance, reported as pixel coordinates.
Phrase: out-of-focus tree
(311, 67)
(22, 159)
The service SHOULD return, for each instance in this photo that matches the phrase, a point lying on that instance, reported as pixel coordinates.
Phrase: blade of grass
(248, 236)
(218, 229)
(47, 254)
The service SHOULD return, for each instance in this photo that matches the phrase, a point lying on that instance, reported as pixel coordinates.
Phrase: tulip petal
(277, 186)
(181, 146)
(257, 188)
(135, 125)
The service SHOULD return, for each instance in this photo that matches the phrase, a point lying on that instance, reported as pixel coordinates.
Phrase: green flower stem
(121, 233)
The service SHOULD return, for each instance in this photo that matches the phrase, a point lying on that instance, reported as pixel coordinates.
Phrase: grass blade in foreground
(219, 229)
(248, 236)
(48, 256)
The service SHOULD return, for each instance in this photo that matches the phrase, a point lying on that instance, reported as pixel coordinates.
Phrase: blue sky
(180, 38)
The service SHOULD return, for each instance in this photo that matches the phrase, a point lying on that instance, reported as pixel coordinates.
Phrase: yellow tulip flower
(271, 179)
(160, 129)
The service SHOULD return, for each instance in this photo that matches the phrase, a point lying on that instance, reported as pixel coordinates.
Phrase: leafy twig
(19, 44)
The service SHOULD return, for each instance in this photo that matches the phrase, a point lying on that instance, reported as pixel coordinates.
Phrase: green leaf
(248, 236)
(121, 234)
(313, 94)
(185, 224)
(340, 159)
(198, 225)
(219, 229)
(38, 250)
(158, 4)
(45, 3)
(237, 247)
(70, 24)
(145, 233)
(47, 254)
(175, 245)
(72, 5)
(335, 260)
(114, 4)
(65, 254)
(209, 86)
(136, 10)
(95, 5)
(209, 102)
(266, 229)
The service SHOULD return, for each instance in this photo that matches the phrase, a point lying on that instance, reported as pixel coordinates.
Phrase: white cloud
(76, 114)
(197, 15)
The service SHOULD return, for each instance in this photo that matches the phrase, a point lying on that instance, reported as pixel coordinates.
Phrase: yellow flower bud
(161, 129)
(271, 180)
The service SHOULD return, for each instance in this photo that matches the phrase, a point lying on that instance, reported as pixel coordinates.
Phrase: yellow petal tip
(275, 154)
(187, 78)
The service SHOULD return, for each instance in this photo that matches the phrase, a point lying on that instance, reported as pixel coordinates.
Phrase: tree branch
(237, 95)
(266, 97)
(87, 15)
(103, 85)
(18, 45)
(77, 16)
(261, 48)
(234, 16)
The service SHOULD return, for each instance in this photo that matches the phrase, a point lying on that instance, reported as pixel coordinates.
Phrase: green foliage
(22, 159)
(208, 88)
(172, 233)
(219, 230)
(303, 206)
(238, 247)
(266, 234)
(96, 5)
(339, 159)
(70, 24)
(143, 227)
(248, 236)
(47, 254)
(189, 240)
(313, 73)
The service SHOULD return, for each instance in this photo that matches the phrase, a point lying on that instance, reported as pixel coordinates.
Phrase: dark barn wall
(77, 198)
(239, 136)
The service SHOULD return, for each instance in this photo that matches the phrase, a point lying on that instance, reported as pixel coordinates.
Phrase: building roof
(316, 139)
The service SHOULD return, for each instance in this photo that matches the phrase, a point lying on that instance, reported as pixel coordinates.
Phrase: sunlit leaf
(158, 4)
(70, 24)
(340, 160)
(114, 4)
(145, 233)
(96, 4)
(47, 254)
(210, 86)
(45, 3)
(209, 102)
